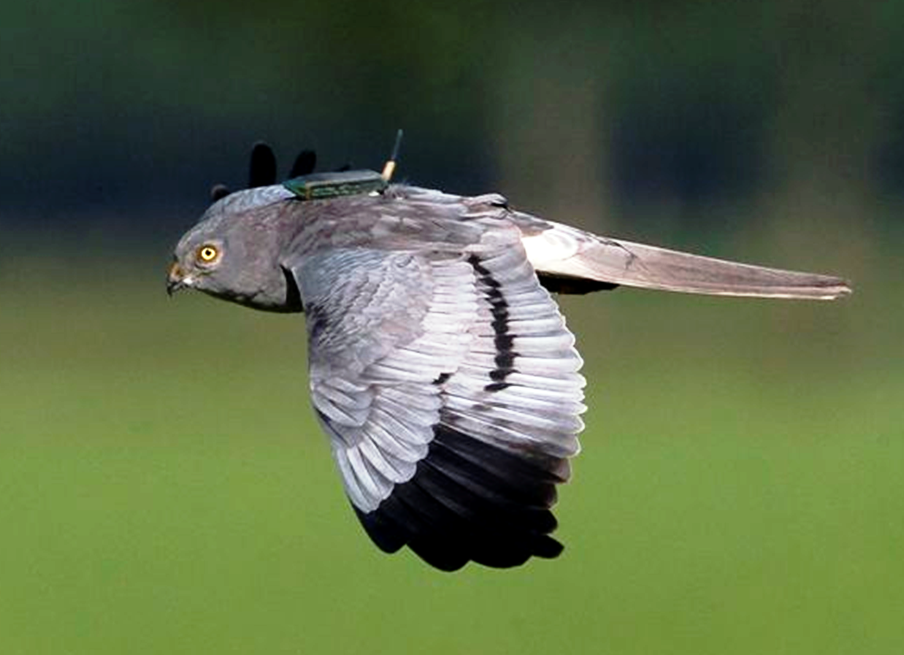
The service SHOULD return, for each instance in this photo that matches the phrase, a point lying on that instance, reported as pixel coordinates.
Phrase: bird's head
(233, 253)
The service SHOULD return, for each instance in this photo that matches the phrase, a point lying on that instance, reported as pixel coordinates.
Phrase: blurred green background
(163, 486)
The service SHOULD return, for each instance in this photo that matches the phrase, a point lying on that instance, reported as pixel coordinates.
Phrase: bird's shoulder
(400, 218)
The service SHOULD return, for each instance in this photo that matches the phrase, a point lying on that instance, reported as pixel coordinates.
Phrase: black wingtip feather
(218, 191)
(566, 284)
(262, 168)
(471, 501)
(305, 163)
(385, 533)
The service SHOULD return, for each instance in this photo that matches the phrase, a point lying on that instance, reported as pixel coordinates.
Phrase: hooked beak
(176, 279)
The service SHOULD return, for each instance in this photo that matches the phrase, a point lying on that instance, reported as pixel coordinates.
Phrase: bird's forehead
(229, 213)
(194, 235)
(202, 233)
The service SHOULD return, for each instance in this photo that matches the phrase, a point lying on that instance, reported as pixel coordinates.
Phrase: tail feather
(568, 253)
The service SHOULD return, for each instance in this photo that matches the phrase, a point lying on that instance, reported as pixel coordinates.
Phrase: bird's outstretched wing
(572, 260)
(449, 387)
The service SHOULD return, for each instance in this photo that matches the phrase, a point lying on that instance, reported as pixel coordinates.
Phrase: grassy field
(165, 489)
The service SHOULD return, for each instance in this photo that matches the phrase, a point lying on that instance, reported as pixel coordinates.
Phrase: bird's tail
(567, 254)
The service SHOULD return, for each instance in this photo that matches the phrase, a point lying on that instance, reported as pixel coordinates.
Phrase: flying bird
(440, 366)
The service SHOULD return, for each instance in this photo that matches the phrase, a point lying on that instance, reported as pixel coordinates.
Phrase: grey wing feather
(370, 370)
(567, 252)
(449, 386)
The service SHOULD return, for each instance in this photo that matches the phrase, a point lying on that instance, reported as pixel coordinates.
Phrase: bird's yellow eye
(207, 254)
